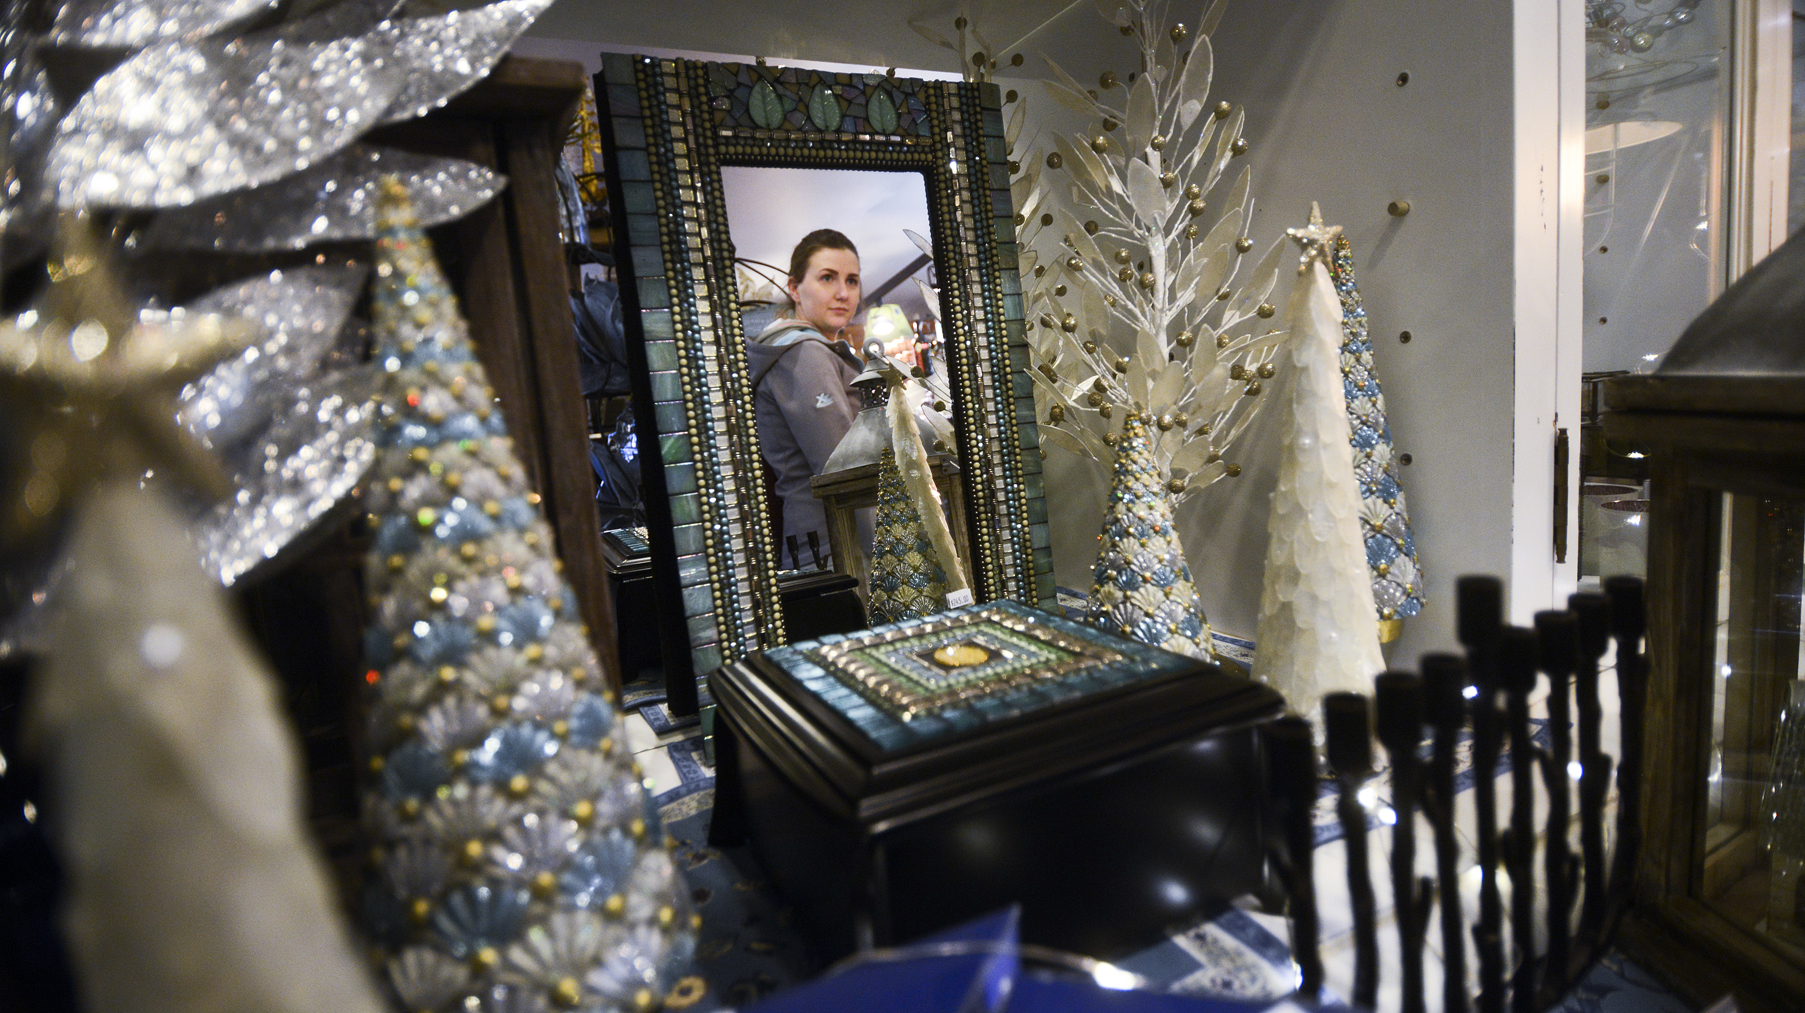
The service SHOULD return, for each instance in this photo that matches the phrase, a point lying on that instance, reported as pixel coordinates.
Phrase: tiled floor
(652, 752)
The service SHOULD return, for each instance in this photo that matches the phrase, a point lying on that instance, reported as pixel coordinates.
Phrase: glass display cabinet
(1720, 886)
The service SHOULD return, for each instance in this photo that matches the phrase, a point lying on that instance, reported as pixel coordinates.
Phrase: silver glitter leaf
(128, 24)
(309, 462)
(299, 314)
(333, 200)
(182, 121)
(447, 54)
(28, 116)
(337, 21)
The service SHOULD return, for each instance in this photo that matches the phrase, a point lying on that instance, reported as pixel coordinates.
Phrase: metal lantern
(1720, 886)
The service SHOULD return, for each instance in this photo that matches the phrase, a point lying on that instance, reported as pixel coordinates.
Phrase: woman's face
(828, 295)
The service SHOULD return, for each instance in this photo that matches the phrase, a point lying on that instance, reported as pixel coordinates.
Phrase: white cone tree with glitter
(1142, 585)
(518, 859)
(1316, 632)
(173, 782)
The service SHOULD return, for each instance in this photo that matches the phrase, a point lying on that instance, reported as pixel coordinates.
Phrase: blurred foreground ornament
(1143, 585)
(173, 783)
(519, 858)
(1384, 519)
(1316, 633)
(174, 786)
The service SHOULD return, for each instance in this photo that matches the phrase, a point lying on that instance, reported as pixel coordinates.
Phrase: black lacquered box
(904, 779)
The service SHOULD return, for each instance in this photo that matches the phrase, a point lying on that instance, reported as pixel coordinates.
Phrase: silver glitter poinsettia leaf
(28, 116)
(129, 24)
(333, 200)
(447, 54)
(343, 20)
(300, 473)
(299, 314)
(181, 121)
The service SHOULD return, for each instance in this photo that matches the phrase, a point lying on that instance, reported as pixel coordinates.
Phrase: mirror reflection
(835, 278)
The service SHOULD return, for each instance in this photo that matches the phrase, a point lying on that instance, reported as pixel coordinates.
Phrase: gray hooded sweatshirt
(804, 402)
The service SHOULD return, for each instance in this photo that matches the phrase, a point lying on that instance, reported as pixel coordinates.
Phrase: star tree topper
(1316, 240)
(93, 386)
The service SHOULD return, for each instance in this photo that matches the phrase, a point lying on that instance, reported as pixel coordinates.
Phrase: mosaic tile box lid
(990, 692)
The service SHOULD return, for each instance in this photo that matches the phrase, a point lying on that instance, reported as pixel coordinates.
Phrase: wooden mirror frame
(668, 128)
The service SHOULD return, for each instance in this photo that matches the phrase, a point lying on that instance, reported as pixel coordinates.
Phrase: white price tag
(960, 597)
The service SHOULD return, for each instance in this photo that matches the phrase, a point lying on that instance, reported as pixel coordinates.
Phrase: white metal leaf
(1259, 286)
(1191, 454)
(1145, 193)
(1075, 92)
(1194, 84)
(921, 242)
(1063, 440)
(1013, 131)
(1212, 16)
(1165, 57)
(1237, 196)
(1167, 388)
(929, 296)
(1030, 207)
(1076, 101)
(1226, 230)
(1094, 444)
(1153, 357)
(1095, 312)
(1115, 12)
(1140, 122)
(931, 35)
(1026, 183)
(1086, 245)
(1231, 132)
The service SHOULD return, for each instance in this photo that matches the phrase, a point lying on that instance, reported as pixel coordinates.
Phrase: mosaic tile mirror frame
(671, 125)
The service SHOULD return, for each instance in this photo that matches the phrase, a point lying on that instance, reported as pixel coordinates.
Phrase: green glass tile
(1012, 307)
(617, 68)
(1020, 383)
(1037, 511)
(702, 630)
(676, 448)
(993, 122)
(654, 293)
(642, 230)
(667, 385)
(637, 198)
(990, 96)
(685, 509)
(660, 331)
(672, 418)
(994, 149)
(1012, 283)
(698, 599)
(705, 659)
(688, 538)
(1033, 485)
(634, 166)
(1037, 537)
(623, 100)
(629, 132)
(648, 261)
(678, 477)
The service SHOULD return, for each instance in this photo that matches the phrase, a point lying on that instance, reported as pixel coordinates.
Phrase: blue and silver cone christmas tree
(1143, 585)
(1384, 519)
(517, 860)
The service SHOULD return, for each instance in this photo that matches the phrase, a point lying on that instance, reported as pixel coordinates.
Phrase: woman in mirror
(802, 370)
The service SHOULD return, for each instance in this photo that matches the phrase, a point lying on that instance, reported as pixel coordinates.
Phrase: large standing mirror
(685, 141)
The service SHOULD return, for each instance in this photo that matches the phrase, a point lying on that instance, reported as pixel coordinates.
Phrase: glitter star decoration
(1316, 240)
(92, 385)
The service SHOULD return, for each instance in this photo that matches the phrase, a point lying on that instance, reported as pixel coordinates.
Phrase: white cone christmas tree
(1316, 632)
(519, 860)
(1143, 586)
